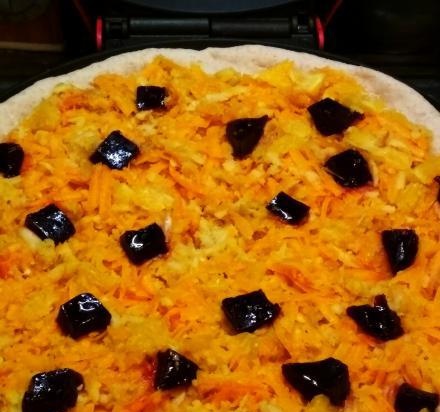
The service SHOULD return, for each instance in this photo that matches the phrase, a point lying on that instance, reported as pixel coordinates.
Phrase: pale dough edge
(246, 59)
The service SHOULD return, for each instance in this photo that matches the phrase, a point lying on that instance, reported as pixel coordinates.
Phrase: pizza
(239, 229)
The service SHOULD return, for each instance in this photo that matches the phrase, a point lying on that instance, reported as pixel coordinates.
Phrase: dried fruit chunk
(327, 377)
(349, 169)
(144, 244)
(378, 321)
(244, 134)
(174, 370)
(331, 117)
(116, 151)
(250, 311)
(437, 179)
(83, 314)
(151, 97)
(410, 399)
(287, 208)
(401, 246)
(54, 391)
(11, 159)
(50, 223)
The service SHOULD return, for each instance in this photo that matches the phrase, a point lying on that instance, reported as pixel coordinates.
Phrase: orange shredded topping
(222, 240)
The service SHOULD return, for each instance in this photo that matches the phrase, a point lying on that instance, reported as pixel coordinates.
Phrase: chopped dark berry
(144, 244)
(331, 117)
(151, 97)
(410, 399)
(401, 246)
(116, 151)
(327, 377)
(11, 159)
(50, 223)
(349, 169)
(54, 391)
(83, 314)
(250, 311)
(437, 179)
(244, 135)
(173, 370)
(378, 321)
(288, 209)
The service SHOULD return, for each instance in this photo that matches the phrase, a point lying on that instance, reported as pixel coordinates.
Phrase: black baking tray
(196, 44)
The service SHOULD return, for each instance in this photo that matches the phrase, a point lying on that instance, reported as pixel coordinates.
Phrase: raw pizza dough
(246, 59)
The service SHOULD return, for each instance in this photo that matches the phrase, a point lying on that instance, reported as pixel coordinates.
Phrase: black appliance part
(296, 30)
(209, 7)
(125, 23)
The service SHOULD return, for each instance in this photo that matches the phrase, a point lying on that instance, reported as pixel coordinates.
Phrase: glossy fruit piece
(144, 244)
(116, 151)
(244, 135)
(151, 97)
(54, 391)
(290, 210)
(50, 223)
(378, 320)
(410, 399)
(437, 179)
(349, 169)
(11, 159)
(82, 315)
(173, 370)
(327, 377)
(250, 311)
(401, 247)
(331, 117)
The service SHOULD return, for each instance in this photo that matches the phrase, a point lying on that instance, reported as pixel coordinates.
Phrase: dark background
(398, 37)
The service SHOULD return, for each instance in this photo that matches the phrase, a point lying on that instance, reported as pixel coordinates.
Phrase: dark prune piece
(11, 159)
(327, 377)
(151, 97)
(250, 311)
(349, 169)
(437, 179)
(83, 314)
(410, 399)
(244, 134)
(54, 391)
(288, 209)
(401, 246)
(174, 370)
(378, 321)
(50, 223)
(144, 244)
(331, 117)
(116, 151)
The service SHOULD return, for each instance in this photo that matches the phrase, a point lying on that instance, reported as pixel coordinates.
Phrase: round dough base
(246, 59)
